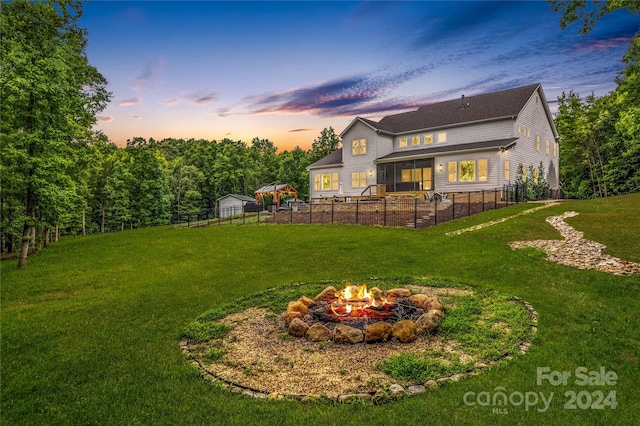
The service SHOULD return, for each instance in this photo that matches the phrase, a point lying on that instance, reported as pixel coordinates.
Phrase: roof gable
(237, 196)
(333, 159)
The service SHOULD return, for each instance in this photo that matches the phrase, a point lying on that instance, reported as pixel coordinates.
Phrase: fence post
(483, 200)
(469, 203)
(495, 198)
(415, 212)
(357, 210)
(384, 216)
(435, 210)
(453, 206)
(291, 215)
(310, 210)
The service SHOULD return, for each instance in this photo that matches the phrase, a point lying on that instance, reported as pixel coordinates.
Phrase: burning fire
(357, 301)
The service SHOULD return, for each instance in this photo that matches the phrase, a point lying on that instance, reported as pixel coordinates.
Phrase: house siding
(494, 168)
(533, 118)
(229, 206)
(524, 123)
(479, 132)
(377, 146)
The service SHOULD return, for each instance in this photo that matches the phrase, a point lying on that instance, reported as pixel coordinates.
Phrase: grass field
(90, 329)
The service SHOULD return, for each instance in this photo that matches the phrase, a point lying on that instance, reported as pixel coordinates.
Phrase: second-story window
(415, 140)
(359, 147)
(442, 137)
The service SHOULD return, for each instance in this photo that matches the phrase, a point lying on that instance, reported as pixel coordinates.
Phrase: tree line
(110, 188)
(600, 137)
(58, 176)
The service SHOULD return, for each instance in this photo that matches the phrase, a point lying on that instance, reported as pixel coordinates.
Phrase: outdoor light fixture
(370, 172)
(439, 167)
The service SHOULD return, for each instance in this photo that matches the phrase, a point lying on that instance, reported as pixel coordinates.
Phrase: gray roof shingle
(333, 159)
(426, 152)
(505, 103)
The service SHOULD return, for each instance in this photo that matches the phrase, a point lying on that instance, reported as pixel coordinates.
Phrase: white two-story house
(466, 144)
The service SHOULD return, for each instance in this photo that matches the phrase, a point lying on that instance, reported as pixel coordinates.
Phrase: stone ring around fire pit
(357, 314)
(249, 346)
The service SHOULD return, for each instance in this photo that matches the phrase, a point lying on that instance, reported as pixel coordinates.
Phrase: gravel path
(578, 252)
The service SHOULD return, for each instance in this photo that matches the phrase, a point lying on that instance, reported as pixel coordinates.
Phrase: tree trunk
(57, 233)
(24, 249)
(33, 241)
(103, 217)
(46, 237)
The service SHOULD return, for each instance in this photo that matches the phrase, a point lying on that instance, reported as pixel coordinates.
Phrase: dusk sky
(283, 71)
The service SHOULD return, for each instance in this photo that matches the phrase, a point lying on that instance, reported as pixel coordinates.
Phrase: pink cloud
(105, 118)
(130, 102)
(137, 117)
(598, 45)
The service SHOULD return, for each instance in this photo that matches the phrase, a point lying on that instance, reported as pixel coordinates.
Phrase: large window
(506, 170)
(358, 179)
(452, 171)
(467, 171)
(483, 170)
(359, 146)
(421, 176)
(470, 170)
(325, 181)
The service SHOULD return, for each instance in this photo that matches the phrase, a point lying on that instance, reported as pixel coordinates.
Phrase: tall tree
(324, 144)
(50, 97)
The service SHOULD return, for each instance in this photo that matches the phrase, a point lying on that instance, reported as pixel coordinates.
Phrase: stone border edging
(396, 391)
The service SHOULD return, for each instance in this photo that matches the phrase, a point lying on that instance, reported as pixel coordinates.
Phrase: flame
(354, 299)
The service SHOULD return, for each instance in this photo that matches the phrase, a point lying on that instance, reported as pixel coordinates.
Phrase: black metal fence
(389, 211)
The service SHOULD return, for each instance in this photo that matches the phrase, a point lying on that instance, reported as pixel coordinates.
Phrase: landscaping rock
(405, 331)
(432, 303)
(397, 390)
(431, 384)
(436, 313)
(327, 293)
(418, 299)
(307, 301)
(415, 390)
(377, 332)
(345, 334)
(297, 306)
(318, 333)
(289, 316)
(576, 251)
(398, 292)
(298, 328)
(426, 324)
(356, 397)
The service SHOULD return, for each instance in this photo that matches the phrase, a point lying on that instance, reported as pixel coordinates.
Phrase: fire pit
(356, 314)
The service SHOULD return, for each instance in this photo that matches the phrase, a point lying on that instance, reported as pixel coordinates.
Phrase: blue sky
(285, 70)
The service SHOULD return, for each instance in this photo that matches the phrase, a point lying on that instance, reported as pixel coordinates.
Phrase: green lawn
(90, 330)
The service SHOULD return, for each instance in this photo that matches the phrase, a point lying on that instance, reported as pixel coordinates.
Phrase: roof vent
(463, 104)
